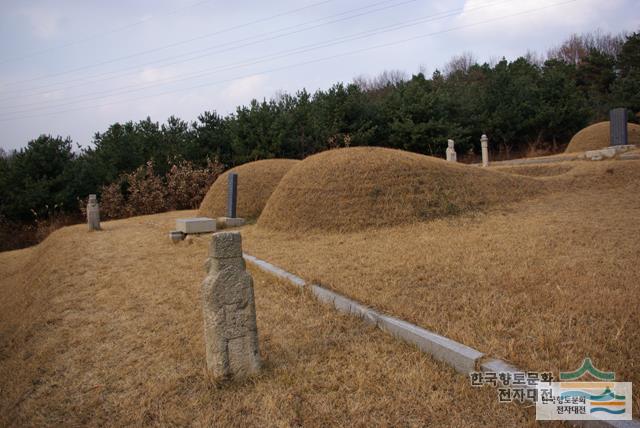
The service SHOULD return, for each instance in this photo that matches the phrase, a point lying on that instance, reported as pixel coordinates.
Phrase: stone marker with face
(93, 213)
(231, 334)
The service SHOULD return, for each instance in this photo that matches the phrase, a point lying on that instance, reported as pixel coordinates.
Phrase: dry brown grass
(597, 136)
(357, 188)
(105, 328)
(543, 283)
(256, 182)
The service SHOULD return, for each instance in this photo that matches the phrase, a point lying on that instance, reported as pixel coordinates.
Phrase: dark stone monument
(618, 126)
(232, 195)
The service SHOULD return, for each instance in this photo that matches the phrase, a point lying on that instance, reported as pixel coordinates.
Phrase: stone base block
(226, 222)
(630, 156)
(196, 225)
(608, 152)
(176, 236)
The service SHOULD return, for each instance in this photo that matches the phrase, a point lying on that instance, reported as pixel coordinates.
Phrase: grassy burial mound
(256, 182)
(356, 188)
(597, 136)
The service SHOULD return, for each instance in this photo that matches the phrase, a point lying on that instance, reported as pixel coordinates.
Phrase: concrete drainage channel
(461, 357)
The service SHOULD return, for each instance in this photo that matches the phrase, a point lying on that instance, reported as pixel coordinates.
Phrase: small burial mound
(597, 136)
(356, 188)
(256, 182)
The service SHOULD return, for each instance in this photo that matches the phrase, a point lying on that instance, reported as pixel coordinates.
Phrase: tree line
(526, 104)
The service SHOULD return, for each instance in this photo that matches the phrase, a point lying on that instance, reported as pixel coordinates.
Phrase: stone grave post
(93, 213)
(618, 126)
(451, 152)
(231, 334)
(484, 142)
(232, 195)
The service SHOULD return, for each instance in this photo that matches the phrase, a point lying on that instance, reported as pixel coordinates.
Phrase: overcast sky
(71, 68)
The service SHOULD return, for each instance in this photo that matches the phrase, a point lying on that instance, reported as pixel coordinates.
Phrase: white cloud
(514, 27)
(242, 89)
(44, 23)
(526, 16)
(151, 75)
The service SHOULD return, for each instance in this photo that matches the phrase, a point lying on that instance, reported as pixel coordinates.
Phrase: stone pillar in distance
(484, 142)
(451, 152)
(93, 213)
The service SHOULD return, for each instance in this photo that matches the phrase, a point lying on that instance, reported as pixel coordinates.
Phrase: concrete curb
(345, 305)
(593, 155)
(629, 156)
(533, 161)
(295, 280)
(461, 357)
(495, 365)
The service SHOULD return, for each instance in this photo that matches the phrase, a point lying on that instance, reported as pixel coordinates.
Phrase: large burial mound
(256, 182)
(355, 188)
(598, 136)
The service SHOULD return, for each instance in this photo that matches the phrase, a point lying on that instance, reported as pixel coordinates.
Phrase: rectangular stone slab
(196, 225)
(225, 222)
(459, 356)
